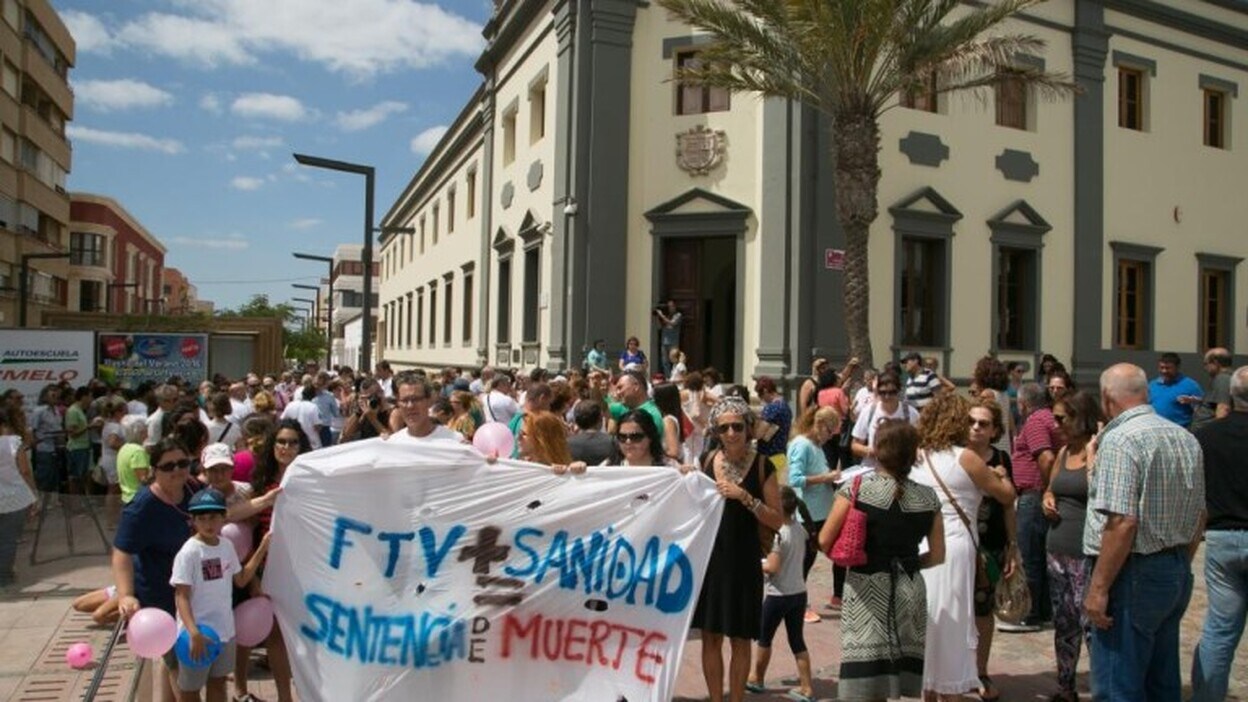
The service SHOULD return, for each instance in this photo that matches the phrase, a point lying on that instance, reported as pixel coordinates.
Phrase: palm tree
(849, 60)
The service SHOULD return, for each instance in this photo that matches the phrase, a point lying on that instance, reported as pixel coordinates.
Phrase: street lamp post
(23, 285)
(329, 305)
(317, 290)
(108, 298)
(369, 173)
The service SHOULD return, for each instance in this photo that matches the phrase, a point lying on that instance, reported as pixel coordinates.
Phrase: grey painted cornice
(924, 149)
(690, 195)
(1170, 18)
(904, 207)
(466, 127)
(1035, 222)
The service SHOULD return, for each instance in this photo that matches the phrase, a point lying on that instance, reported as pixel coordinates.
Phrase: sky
(187, 113)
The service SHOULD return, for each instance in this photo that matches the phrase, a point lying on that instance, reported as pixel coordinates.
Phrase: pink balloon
(240, 536)
(79, 656)
(494, 437)
(151, 632)
(253, 620)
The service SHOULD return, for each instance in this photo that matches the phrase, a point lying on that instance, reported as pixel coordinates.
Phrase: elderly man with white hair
(1146, 512)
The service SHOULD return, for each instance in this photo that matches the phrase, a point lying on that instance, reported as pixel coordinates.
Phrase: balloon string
(96, 681)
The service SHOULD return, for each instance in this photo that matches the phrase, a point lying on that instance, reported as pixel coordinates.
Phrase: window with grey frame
(420, 317)
(448, 310)
(433, 313)
(1017, 241)
(504, 299)
(410, 314)
(532, 292)
(922, 290)
(1134, 289)
(923, 224)
(1216, 315)
(467, 302)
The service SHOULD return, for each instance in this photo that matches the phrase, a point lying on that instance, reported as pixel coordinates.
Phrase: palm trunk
(856, 161)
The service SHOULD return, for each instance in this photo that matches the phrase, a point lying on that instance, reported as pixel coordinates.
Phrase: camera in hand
(374, 402)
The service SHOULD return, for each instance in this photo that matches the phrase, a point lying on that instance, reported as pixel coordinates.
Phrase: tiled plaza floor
(37, 624)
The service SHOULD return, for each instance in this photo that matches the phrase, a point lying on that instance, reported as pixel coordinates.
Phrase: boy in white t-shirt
(204, 572)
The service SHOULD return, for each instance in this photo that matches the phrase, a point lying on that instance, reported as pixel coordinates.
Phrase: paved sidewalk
(37, 624)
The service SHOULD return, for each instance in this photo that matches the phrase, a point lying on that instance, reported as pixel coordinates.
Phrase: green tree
(850, 60)
(299, 343)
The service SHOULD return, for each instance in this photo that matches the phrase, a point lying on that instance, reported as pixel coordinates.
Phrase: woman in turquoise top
(813, 480)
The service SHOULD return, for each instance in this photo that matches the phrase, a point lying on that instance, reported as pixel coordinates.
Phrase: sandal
(987, 691)
(799, 696)
(756, 688)
(247, 697)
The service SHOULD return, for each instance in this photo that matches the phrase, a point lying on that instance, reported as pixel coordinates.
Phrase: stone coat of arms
(699, 149)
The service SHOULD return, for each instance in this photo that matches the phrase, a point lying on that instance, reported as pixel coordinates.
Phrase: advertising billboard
(32, 358)
(130, 359)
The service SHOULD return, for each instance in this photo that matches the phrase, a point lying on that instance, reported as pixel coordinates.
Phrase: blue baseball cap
(207, 500)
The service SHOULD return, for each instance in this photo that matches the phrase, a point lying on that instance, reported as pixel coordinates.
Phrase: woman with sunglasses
(1066, 505)
(543, 439)
(887, 405)
(996, 525)
(637, 442)
(279, 451)
(1059, 384)
(152, 529)
(731, 602)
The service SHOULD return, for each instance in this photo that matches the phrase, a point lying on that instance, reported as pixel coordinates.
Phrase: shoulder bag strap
(853, 493)
(962, 515)
(224, 431)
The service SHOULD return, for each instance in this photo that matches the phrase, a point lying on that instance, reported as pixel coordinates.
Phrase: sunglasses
(286, 442)
(170, 466)
(411, 401)
(730, 427)
(981, 423)
(1059, 418)
(886, 393)
(632, 437)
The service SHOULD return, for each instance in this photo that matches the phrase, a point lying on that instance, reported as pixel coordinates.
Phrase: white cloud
(123, 140)
(123, 94)
(357, 120)
(204, 41)
(361, 38)
(246, 183)
(89, 33)
(269, 106)
(304, 223)
(247, 143)
(231, 242)
(210, 103)
(424, 142)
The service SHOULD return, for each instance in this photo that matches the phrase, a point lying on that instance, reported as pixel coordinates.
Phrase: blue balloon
(182, 647)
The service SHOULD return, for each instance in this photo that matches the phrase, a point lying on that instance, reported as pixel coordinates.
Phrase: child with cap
(203, 572)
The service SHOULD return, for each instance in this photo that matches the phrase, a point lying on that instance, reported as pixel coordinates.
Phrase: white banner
(33, 358)
(404, 571)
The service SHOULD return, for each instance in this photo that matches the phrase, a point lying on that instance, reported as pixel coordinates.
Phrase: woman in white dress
(960, 479)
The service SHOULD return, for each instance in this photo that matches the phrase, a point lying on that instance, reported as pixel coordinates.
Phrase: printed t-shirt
(209, 571)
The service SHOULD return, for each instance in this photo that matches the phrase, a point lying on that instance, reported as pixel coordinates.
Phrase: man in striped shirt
(1146, 511)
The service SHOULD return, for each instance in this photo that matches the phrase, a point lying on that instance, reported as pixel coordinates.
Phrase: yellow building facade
(581, 186)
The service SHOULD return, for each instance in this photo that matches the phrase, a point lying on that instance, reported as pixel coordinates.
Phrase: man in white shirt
(240, 403)
(385, 378)
(414, 397)
(166, 398)
(303, 410)
(498, 402)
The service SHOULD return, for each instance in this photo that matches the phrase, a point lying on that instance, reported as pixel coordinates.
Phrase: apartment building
(581, 185)
(36, 54)
(346, 300)
(117, 266)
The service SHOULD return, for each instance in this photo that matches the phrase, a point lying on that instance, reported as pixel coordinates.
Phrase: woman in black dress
(731, 601)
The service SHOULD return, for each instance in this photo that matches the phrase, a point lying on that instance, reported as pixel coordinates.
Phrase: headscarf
(731, 404)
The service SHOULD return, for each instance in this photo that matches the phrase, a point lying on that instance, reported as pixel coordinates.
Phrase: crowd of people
(1097, 497)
